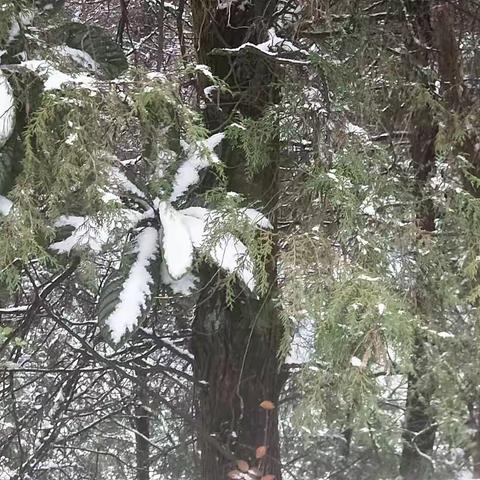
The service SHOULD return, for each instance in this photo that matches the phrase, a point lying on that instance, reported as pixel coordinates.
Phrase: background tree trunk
(142, 427)
(419, 425)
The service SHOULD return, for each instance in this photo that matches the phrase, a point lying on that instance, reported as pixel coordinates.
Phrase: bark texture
(459, 100)
(142, 428)
(419, 426)
(236, 348)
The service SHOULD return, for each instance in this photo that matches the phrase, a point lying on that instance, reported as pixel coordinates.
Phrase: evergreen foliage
(109, 176)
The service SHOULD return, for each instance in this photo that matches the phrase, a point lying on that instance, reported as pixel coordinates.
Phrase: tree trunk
(458, 99)
(236, 347)
(236, 355)
(419, 425)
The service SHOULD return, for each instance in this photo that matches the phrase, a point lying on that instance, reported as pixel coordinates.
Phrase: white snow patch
(368, 209)
(87, 233)
(228, 252)
(7, 110)
(185, 230)
(356, 362)
(271, 47)
(23, 19)
(124, 183)
(231, 254)
(256, 218)
(137, 287)
(209, 91)
(445, 335)
(368, 278)
(356, 130)
(5, 205)
(195, 219)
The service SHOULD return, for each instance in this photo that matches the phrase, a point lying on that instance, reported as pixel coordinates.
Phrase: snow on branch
(275, 47)
(86, 233)
(79, 57)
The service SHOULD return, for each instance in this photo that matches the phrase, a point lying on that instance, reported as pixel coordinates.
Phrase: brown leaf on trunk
(260, 452)
(234, 475)
(243, 466)
(255, 472)
(267, 405)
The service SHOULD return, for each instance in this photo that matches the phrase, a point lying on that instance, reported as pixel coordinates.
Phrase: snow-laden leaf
(7, 110)
(200, 156)
(356, 362)
(21, 20)
(232, 255)
(126, 294)
(204, 70)
(80, 57)
(195, 220)
(97, 44)
(184, 230)
(123, 183)
(183, 286)
(176, 242)
(275, 47)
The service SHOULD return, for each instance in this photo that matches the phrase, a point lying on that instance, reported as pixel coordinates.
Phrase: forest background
(239, 239)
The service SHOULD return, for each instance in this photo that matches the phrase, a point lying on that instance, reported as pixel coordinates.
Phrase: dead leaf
(243, 466)
(267, 405)
(255, 472)
(234, 475)
(260, 452)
